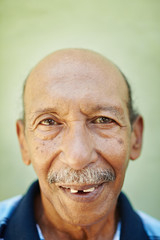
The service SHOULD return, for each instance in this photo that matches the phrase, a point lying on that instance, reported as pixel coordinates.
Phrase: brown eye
(48, 122)
(103, 120)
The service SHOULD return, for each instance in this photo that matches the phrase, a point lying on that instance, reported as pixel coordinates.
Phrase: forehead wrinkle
(112, 70)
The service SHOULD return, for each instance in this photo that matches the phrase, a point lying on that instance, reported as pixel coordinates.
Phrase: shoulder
(7, 207)
(151, 225)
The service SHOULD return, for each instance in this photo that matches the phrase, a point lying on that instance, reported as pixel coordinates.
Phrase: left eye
(103, 120)
(48, 122)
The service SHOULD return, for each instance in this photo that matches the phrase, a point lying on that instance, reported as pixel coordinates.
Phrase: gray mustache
(87, 176)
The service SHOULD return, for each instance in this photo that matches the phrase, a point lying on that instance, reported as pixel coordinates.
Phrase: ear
(136, 138)
(22, 142)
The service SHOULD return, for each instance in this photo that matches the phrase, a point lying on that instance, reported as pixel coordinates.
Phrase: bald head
(72, 66)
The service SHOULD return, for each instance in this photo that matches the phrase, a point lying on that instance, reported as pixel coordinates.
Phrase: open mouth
(79, 191)
(82, 193)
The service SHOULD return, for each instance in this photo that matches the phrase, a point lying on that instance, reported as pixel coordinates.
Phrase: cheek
(42, 154)
(115, 151)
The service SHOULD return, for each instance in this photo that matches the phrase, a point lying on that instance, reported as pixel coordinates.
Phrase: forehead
(88, 81)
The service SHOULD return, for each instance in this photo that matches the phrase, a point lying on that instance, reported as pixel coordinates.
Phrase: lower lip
(84, 197)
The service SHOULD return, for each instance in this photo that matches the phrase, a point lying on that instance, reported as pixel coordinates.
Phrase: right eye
(48, 122)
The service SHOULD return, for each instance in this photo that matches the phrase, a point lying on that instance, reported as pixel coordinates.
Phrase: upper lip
(78, 187)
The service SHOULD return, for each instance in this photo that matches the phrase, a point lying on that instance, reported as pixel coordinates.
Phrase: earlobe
(22, 142)
(136, 138)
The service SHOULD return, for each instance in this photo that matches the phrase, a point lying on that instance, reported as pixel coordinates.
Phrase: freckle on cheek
(120, 141)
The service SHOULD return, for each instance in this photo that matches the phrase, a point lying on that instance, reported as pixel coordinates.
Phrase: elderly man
(79, 131)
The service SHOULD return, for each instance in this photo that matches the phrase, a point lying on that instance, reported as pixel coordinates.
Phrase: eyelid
(46, 117)
(109, 118)
(56, 123)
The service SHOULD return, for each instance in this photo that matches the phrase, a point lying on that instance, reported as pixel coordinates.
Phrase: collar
(131, 224)
(22, 225)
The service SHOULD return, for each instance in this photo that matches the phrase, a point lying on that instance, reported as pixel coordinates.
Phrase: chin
(87, 218)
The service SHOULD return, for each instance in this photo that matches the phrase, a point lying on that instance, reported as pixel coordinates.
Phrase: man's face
(77, 118)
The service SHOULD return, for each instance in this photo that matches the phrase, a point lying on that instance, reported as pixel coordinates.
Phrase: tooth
(73, 190)
(89, 190)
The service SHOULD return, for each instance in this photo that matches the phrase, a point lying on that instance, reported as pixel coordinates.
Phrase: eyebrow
(46, 110)
(106, 108)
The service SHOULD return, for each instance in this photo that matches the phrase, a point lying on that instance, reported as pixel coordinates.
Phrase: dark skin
(76, 116)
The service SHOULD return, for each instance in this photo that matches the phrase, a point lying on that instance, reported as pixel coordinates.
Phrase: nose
(77, 150)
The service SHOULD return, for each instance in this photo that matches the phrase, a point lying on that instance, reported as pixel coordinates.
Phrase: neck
(57, 228)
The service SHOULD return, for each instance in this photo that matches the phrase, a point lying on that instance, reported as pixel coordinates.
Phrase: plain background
(127, 32)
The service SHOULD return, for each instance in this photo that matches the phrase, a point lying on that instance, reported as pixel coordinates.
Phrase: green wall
(127, 32)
